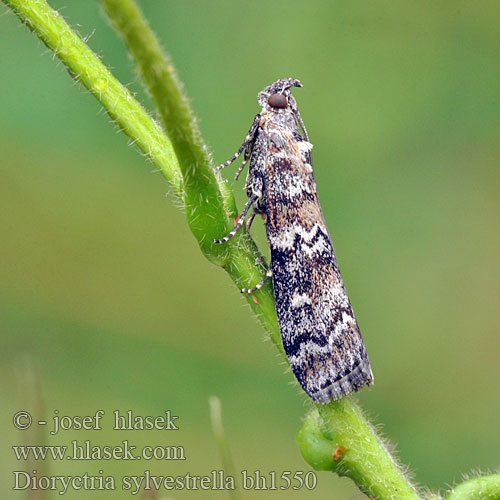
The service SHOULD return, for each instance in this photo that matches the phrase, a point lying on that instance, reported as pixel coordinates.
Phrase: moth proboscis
(320, 333)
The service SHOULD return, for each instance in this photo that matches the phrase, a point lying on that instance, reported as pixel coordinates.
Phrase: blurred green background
(107, 303)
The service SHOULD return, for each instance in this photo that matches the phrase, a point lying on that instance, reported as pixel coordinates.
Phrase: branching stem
(335, 437)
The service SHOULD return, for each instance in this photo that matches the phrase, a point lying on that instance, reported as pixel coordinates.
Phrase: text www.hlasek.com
(87, 451)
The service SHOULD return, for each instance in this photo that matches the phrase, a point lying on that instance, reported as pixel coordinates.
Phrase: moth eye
(277, 101)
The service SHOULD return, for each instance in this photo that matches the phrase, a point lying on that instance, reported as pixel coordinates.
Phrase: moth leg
(251, 218)
(248, 140)
(242, 166)
(240, 220)
(259, 285)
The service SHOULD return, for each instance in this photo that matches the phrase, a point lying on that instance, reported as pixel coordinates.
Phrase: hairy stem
(209, 213)
(335, 437)
(478, 488)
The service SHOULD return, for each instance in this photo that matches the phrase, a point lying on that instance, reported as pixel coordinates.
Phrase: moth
(320, 333)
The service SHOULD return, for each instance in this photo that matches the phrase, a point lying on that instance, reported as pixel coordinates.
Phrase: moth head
(278, 96)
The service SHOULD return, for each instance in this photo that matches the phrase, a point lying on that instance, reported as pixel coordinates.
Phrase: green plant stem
(478, 488)
(339, 428)
(337, 437)
(86, 68)
(222, 444)
(209, 215)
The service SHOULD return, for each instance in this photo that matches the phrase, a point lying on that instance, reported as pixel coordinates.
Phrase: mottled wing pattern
(320, 333)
